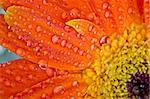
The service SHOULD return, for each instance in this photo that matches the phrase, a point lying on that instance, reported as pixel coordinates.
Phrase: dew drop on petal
(108, 14)
(75, 84)
(30, 26)
(72, 97)
(59, 90)
(103, 40)
(76, 49)
(91, 16)
(63, 43)
(64, 15)
(28, 43)
(92, 47)
(50, 72)
(130, 10)
(42, 64)
(38, 28)
(74, 13)
(55, 39)
(105, 5)
(19, 51)
(44, 96)
(91, 28)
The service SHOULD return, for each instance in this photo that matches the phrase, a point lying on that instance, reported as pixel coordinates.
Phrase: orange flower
(75, 49)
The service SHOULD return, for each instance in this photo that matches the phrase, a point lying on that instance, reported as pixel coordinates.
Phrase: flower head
(76, 49)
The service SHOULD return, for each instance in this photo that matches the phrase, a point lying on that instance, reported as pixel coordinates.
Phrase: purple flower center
(139, 86)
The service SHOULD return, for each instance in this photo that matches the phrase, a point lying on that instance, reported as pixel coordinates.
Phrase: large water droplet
(106, 5)
(55, 39)
(42, 64)
(59, 90)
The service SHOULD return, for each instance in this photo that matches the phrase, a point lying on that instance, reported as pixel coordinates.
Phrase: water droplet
(28, 43)
(50, 72)
(120, 9)
(103, 40)
(64, 15)
(30, 26)
(19, 51)
(42, 64)
(45, 52)
(91, 28)
(75, 49)
(74, 13)
(37, 48)
(63, 43)
(55, 39)
(92, 47)
(38, 28)
(72, 97)
(108, 14)
(89, 56)
(106, 5)
(44, 96)
(69, 45)
(59, 90)
(91, 16)
(75, 84)
(131, 10)
(120, 17)
(81, 52)
(45, 2)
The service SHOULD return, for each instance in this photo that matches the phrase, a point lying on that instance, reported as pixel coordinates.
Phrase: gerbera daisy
(76, 49)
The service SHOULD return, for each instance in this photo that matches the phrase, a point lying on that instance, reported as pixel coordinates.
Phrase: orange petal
(66, 86)
(61, 8)
(58, 12)
(147, 13)
(90, 30)
(46, 43)
(4, 4)
(126, 12)
(115, 15)
(18, 75)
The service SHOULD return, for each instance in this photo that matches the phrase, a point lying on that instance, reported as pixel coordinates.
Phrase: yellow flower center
(116, 61)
